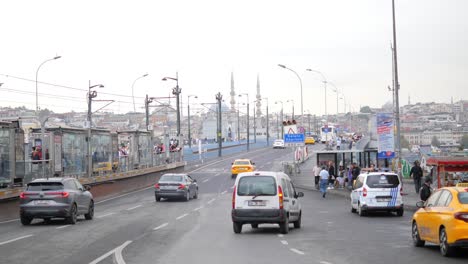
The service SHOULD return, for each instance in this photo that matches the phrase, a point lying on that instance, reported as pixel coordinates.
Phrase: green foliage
(366, 109)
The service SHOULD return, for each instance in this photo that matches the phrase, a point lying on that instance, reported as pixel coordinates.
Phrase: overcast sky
(114, 42)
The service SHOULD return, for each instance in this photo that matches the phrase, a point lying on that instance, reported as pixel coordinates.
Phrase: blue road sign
(294, 139)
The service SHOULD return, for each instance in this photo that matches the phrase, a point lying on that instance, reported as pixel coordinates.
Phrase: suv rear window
(463, 197)
(383, 181)
(257, 185)
(44, 186)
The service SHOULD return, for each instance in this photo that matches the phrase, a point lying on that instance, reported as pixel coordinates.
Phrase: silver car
(176, 186)
(56, 198)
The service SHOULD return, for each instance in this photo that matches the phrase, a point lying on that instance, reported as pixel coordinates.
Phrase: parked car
(278, 143)
(56, 198)
(172, 185)
(443, 220)
(377, 191)
(241, 165)
(265, 197)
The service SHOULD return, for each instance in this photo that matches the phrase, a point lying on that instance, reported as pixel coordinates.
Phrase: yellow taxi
(309, 140)
(242, 165)
(443, 220)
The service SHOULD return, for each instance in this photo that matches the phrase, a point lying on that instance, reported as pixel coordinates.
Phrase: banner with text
(386, 137)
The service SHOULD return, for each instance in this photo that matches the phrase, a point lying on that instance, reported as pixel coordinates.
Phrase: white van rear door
(257, 192)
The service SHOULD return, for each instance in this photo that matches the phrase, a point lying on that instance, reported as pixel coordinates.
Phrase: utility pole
(219, 98)
(147, 102)
(91, 95)
(267, 125)
(277, 125)
(255, 126)
(397, 88)
(248, 125)
(238, 123)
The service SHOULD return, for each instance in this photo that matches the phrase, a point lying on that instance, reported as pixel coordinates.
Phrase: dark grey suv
(56, 198)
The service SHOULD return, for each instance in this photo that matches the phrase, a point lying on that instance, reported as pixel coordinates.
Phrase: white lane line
(64, 226)
(9, 221)
(325, 262)
(217, 174)
(280, 235)
(298, 251)
(134, 207)
(118, 253)
(284, 242)
(210, 201)
(124, 195)
(161, 226)
(206, 180)
(182, 216)
(224, 192)
(268, 163)
(198, 208)
(14, 239)
(119, 260)
(104, 215)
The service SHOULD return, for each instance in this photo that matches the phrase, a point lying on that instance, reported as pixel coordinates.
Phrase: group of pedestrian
(326, 178)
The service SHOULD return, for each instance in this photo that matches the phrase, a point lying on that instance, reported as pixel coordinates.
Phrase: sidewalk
(305, 180)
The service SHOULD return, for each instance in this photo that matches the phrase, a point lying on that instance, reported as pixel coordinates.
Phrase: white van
(377, 191)
(261, 197)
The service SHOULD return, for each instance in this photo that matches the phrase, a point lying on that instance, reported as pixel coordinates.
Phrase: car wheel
(73, 215)
(196, 195)
(90, 214)
(254, 225)
(187, 196)
(445, 249)
(417, 242)
(284, 226)
(360, 211)
(25, 220)
(237, 227)
(400, 212)
(298, 222)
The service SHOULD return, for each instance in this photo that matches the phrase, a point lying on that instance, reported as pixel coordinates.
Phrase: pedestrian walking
(416, 173)
(338, 143)
(332, 175)
(324, 181)
(317, 175)
(426, 189)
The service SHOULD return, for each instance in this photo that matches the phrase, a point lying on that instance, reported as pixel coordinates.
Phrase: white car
(377, 191)
(262, 197)
(279, 143)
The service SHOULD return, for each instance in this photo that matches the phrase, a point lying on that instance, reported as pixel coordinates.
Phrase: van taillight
(462, 216)
(234, 198)
(364, 192)
(280, 196)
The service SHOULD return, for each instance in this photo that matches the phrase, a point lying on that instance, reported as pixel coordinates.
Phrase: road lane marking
(280, 235)
(198, 208)
(297, 251)
(64, 226)
(206, 180)
(14, 239)
(119, 196)
(217, 174)
(161, 226)
(268, 163)
(135, 207)
(9, 221)
(284, 242)
(325, 262)
(117, 250)
(104, 215)
(210, 201)
(182, 216)
(224, 192)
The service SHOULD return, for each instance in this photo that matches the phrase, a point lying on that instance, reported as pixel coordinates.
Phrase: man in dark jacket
(355, 171)
(426, 189)
(416, 173)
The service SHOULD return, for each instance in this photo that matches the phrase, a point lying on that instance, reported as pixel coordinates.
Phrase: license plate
(166, 187)
(257, 203)
(383, 200)
(42, 202)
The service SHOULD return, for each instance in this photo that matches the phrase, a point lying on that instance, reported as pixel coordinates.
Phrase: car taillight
(23, 195)
(462, 216)
(280, 196)
(181, 186)
(156, 186)
(364, 192)
(234, 198)
(62, 194)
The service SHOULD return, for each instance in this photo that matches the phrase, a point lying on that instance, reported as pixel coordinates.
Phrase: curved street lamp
(176, 91)
(133, 97)
(37, 73)
(300, 81)
(248, 121)
(324, 80)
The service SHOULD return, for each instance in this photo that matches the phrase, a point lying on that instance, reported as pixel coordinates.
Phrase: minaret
(233, 94)
(259, 97)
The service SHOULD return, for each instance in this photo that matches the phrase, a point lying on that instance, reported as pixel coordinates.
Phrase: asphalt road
(133, 228)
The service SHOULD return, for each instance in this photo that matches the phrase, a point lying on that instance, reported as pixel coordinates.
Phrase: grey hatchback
(56, 198)
(176, 186)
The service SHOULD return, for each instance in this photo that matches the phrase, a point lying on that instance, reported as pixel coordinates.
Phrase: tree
(366, 109)
(435, 141)
(404, 142)
(464, 141)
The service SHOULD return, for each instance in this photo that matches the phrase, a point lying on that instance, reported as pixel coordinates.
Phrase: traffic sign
(294, 140)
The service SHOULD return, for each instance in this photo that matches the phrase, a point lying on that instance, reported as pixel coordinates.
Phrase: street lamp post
(397, 86)
(37, 73)
(238, 122)
(324, 80)
(337, 96)
(282, 126)
(176, 91)
(133, 96)
(300, 81)
(248, 121)
(91, 95)
(188, 119)
(255, 124)
(267, 124)
(292, 101)
(219, 98)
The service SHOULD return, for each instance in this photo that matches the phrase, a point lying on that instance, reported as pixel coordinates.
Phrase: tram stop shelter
(448, 171)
